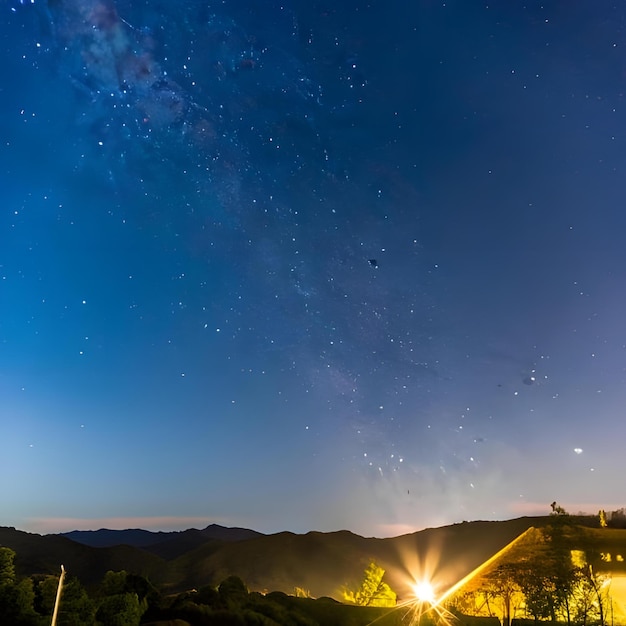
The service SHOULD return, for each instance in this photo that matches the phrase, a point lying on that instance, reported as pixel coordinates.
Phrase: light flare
(430, 587)
(424, 592)
(425, 609)
(424, 606)
(421, 582)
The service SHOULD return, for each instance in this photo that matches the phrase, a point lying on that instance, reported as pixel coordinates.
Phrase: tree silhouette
(7, 567)
(122, 609)
(557, 510)
(16, 597)
(373, 590)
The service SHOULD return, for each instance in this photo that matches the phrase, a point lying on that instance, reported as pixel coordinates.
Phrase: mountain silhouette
(322, 563)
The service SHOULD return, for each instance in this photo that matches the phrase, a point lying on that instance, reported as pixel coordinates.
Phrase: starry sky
(310, 265)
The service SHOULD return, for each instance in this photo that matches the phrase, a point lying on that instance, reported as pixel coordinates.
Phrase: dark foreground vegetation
(123, 599)
(319, 562)
(564, 570)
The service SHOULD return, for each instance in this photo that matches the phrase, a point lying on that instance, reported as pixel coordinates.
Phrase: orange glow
(483, 566)
(425, 581)
(428, 583)
(424, 592)
(425, 603)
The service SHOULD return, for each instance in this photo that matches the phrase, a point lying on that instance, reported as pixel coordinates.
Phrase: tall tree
(16, 597)
(7, 566)
(233, 592)
(559, 538)
(75, 609)
(503, 588)
(113, 583)
(17, 604)
(536, 581)
(122, 609)
(373, 591)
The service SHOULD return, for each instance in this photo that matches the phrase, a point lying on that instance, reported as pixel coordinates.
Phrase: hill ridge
(319, 562)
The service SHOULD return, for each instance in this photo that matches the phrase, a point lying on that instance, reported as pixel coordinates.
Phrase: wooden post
(58, 598)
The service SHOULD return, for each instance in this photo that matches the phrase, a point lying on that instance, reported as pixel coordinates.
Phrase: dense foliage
(124, 599)
(554, 576)
(120, 600)
(373, 590)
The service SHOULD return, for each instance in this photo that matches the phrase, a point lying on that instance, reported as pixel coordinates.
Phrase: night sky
(311, 265)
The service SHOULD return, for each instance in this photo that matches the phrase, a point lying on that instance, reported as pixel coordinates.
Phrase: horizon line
(165, 524)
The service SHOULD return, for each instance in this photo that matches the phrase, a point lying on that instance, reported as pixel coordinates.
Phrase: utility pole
(58, 598)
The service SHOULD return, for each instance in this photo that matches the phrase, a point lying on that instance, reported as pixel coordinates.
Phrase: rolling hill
(321, 563)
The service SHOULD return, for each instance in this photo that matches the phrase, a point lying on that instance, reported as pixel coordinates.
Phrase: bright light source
(424, 592)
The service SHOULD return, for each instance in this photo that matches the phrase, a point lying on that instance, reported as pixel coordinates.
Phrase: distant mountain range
(321, 563)
(168, 545)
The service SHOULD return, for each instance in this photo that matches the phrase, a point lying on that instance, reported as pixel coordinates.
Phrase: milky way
(310, 267)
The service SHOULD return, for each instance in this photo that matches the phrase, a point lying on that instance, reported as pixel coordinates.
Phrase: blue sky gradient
(311, 267)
